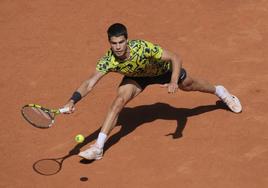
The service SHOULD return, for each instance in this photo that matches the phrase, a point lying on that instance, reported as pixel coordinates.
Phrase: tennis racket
(39, 116)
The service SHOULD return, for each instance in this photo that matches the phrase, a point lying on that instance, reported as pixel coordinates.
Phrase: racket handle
(63, 110)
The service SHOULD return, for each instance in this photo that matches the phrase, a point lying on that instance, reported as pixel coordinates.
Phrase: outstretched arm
(88, 84)
(84, 89)
(176, 68)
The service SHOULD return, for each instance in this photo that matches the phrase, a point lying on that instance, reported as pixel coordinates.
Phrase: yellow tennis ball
(79, 138)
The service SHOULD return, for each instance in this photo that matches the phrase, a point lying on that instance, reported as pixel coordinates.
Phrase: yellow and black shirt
(145, 60)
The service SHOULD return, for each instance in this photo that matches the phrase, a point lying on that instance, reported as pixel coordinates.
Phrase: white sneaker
(93, 153)
(230, 100)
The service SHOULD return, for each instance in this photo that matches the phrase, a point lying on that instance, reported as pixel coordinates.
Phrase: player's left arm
(176, 68)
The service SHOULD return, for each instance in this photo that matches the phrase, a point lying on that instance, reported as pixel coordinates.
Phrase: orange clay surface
(49, 47)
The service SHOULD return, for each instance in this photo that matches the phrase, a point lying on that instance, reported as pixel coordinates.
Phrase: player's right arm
(84, 89)
(89, 84)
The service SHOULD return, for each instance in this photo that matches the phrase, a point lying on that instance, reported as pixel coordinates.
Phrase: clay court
(185, 140)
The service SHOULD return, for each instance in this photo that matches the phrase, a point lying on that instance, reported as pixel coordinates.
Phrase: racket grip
(63, 110)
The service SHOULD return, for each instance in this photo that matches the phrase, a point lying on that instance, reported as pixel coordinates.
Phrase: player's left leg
(192, 84)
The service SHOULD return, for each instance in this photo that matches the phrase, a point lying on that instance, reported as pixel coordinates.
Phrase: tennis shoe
(93, 153)
(230, 100)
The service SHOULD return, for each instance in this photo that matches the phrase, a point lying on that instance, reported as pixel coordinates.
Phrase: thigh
(128, 89)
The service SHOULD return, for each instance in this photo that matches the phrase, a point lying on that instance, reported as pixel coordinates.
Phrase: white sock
(101, 139)
(221, 92)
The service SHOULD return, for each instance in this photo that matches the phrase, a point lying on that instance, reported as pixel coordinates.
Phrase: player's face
(119, 46)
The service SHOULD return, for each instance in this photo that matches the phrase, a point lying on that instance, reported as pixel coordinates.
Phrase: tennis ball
(79, 138)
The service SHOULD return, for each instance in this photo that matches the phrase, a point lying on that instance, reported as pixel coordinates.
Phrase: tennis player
(142, 63)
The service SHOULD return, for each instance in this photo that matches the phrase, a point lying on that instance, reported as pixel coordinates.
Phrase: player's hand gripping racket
(39, 116)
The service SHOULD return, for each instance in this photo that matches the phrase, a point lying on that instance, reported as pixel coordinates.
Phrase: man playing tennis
(142, 63)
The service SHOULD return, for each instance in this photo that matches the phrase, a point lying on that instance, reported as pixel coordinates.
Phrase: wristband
(76, 97)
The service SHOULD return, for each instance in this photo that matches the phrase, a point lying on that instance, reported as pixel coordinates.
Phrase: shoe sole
(237, 102)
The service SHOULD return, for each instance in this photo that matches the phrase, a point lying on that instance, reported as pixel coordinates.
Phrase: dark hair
(116, 30)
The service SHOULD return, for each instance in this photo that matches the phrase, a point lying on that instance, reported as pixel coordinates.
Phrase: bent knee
(186, 84)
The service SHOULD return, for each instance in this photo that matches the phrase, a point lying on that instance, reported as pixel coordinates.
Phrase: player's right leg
(127, 90)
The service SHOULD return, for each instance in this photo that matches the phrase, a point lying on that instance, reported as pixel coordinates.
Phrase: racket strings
(37, 116)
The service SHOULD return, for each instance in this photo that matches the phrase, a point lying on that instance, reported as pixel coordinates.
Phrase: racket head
(47, 167)
(38, 116)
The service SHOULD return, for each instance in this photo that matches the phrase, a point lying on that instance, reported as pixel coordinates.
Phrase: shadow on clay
(131, 118)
